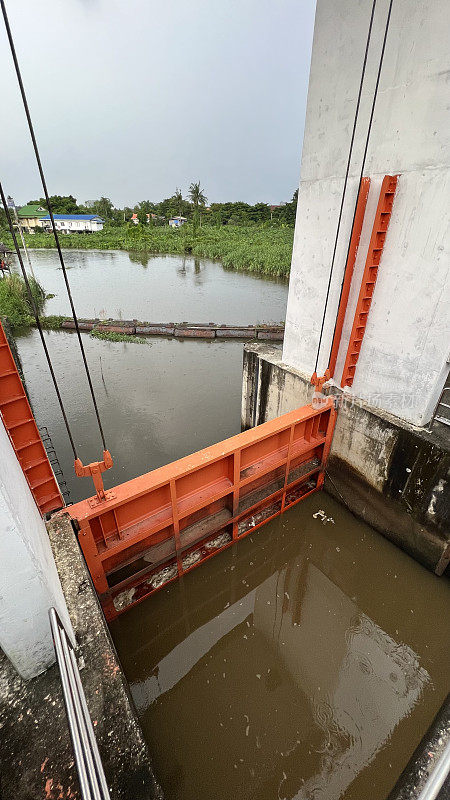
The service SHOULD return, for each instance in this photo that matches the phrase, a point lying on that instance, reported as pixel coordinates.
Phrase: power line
(349, 158)
(47, 198)
(36, 316)
(350, 152)
(365, 150)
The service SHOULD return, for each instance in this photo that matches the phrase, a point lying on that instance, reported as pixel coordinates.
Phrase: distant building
(30, 216)
(177, 222)
(73, 223)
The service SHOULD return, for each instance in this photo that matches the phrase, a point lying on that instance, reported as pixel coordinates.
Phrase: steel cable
(36, 316)
(348, 164)
(55, 234)
(364, 158)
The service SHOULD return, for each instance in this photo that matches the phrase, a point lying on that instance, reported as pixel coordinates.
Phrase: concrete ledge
(155, 330)
(35, 748)
(195, 333)
(83, 324)
(236, 333)
(393, 475)
(129, 330)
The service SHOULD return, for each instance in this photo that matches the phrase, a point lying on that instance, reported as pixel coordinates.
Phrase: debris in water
(218, 541)
(320, 514)
(163, 576)
(191, 559)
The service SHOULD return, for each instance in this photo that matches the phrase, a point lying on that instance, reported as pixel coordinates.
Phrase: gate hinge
(94, 470)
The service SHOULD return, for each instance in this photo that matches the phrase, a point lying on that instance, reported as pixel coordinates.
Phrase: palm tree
(198, 199)
(178, 202)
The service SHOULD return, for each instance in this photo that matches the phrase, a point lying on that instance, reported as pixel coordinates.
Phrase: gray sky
(133, 98)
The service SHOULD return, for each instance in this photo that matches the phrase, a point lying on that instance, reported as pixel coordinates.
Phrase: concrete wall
(29, 582)
(403, 362)
(392, 475)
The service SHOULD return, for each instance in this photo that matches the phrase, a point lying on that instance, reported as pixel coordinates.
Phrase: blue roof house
(73, 223)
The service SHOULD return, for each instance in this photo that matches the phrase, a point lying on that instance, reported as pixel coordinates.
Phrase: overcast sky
(133, 98)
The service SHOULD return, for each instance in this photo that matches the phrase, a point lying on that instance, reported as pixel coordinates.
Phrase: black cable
(364, 156)
(350, 152)
(349, 158)
(36, 316)
(55, 234)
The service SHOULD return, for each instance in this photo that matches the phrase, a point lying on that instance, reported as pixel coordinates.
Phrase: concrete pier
(390, 473)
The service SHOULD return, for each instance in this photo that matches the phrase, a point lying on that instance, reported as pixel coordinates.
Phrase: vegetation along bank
(263, 250)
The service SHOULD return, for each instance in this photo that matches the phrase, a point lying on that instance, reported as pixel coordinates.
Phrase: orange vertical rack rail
(379, 231)
(349, 267)
(24, 434)
(154, 528)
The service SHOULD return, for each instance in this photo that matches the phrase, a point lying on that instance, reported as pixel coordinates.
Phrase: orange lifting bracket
(156, 527)
(94, 471)
(24, 434)
(379, 230)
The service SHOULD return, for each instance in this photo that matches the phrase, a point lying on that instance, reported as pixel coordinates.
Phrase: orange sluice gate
(19, 422)
(156, 527)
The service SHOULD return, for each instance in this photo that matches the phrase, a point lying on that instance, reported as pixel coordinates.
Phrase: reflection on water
(277, 670)
(162, 288)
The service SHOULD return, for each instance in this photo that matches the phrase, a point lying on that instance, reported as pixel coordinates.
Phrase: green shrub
(14, 302)
(110, 336)
(261, 249)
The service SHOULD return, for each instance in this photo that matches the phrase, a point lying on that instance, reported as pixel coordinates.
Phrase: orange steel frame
(154, 528)
(374, 253)
(349, 267)
(24, 435)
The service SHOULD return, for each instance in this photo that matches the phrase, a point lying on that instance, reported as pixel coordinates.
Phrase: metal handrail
(90, 770)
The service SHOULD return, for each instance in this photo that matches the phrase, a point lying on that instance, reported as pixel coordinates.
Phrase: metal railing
(87, 758)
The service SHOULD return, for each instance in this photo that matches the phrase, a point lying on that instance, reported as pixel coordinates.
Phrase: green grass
(14, 302)
(117, 337)
(259, 249)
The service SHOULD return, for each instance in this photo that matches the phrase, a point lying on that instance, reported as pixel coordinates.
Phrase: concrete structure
(28, 576)
(73, 223)
(30, 216)
(403, 362)
(391, 471)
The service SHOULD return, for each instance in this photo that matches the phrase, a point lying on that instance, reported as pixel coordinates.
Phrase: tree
(198, 199)
(60, 204)
(178, 202)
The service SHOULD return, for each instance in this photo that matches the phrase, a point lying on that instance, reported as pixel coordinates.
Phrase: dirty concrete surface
(36, 754)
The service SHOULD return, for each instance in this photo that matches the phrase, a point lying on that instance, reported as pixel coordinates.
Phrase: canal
(305, 662)
(160, 400)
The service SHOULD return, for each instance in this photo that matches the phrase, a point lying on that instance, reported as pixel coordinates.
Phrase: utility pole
(12, 205)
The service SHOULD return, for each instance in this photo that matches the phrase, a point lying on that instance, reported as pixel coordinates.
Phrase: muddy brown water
(304, 662)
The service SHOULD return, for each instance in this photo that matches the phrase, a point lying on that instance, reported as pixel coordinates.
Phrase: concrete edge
(120, 739)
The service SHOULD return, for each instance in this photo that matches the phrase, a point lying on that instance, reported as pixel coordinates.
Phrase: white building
(73, 223)
(177, 222)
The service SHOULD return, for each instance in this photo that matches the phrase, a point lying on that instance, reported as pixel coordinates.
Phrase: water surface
(304, 662)
(157, 288)
(158, 401)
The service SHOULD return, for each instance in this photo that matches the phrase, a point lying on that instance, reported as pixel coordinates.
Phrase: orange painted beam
(23, 432)
(349, 267)
(374, 254)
